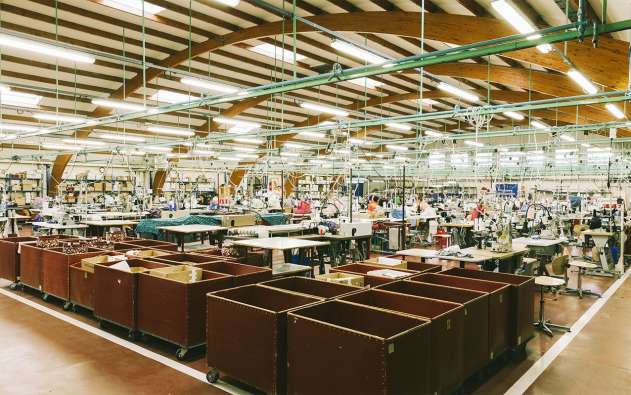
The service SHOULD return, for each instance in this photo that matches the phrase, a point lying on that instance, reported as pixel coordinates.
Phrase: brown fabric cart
(522, 297)
(10, 261)
(241, 274)
(499, 306)
(476, 321)
(343, 348)
(81, 277)
(175, 311)
(246, 335)
(447, 331)
(363, 269)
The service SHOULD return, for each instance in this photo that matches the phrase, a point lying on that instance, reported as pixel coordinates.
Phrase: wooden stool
(442, 239)
(582, 268)
(545, 325)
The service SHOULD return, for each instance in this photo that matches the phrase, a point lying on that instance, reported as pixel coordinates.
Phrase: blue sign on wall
(507, 189)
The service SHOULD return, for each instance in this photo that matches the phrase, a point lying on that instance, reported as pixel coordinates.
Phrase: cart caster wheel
(13, 286)
(68, 306)
(212, 376)
(132, 336)
(181, 354)
(45, 297)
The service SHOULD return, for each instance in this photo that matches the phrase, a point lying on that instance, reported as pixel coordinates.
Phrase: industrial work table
(97, 227)
(61, 227)
(478, 256)
(216, 233)
(544, 249)
(285, 244)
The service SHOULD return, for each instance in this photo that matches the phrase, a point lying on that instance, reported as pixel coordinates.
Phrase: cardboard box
(388, 273)
(343, 278)
(183, 273)
(99, 186)
(108, 187)
(238, 220)
(147, 253)
(392, 263)
(88, 263)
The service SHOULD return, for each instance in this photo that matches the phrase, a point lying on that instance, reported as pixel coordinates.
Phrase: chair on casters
(582, 268)
(543, 324)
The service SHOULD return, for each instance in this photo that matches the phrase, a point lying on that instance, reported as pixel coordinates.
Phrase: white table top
(120, 214)
(286, 269)
(279, 243)
(477, 254)
(548, 281)
(59, 226)
(583, 264)
(529, 241)
(192, 228)
(113, 222)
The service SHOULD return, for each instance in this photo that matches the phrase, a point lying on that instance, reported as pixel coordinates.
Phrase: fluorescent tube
(357, 52)
(458, 92)
(324, 109)
(44, 49)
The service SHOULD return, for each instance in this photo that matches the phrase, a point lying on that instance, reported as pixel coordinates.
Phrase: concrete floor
(43, 354)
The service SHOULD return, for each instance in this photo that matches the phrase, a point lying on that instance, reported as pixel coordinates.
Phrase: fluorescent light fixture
(248, 140)
(315, 135)
(247, 156)
(133, 6)
(178, 155)
(296, 146)
(583, 82)
(46, 116)
(209, 85)
(203, 152)
(118, 104)
(428, 102)
(158, 149)
(396, 147)
(18, 99)
(276, 52)
(474, 143)
(518, 21)
(88, 143)
(365, 82)
(44, 49)
(133, 152)
(585, 145)
(183, 132)
(514, 115)
(327, 123)
(61, 147)
(357, 52)
(17, 128)
(317, 161)
(431, 133)
(228, 158)
(166, 96)
(567, 137)
(324, 109)
(357, 141)
(399, 126)
(614, 110)
(121, 137)
(539, 125)
(458, 92)
(236, 122)
(291, 154)
(229, 3)
(243, 149)
(342, 151)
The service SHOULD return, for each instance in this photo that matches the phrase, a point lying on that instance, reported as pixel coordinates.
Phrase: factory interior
(315, 197)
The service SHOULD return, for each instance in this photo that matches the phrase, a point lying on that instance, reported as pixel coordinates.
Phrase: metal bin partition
(499, 305)
(343, 348)
(423, 267)
(246, 334)
(309, 286)
(241, 274)
(175, 311)
(446, 331)
(476, 318)
(10, 253)
(522, 297)
(115, 293)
